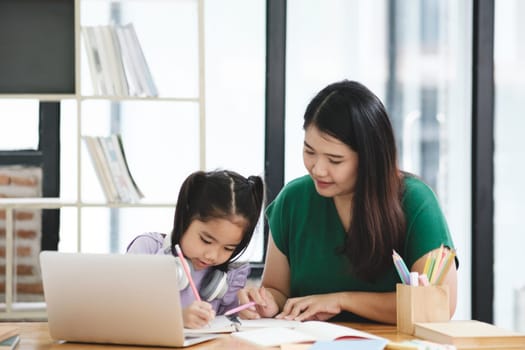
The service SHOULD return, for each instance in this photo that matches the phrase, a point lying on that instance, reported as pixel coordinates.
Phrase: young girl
(215, 216)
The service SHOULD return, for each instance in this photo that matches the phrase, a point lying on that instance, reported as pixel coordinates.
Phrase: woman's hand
(266, 306)
(198, 314)
(314, 307)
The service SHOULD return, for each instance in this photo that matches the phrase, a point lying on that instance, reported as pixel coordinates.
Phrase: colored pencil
(187, 271)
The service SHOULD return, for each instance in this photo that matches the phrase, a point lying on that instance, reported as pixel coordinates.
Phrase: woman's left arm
(380, 307)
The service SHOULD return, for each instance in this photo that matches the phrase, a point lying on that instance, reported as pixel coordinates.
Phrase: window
(509, 235)
(419, 66)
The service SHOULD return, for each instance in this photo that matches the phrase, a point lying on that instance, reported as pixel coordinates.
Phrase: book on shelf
(119, 146)
(111, 166)
(94, 62)
(469, 334)
(139, 61)
(116, 61)
(102, 171)
(135, 88)
(104, 51)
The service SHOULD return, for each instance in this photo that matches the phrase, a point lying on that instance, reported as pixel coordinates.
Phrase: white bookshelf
(14, 310)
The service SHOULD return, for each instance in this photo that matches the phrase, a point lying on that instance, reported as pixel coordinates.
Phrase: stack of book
(117, 63)
(111, 167)
(470, 334)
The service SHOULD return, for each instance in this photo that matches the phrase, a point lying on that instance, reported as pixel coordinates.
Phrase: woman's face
(212, 242)
(330, 162)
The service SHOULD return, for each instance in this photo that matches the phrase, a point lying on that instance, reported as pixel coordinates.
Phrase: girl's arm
(275, 286)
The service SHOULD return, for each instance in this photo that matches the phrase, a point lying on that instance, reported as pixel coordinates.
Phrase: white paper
(221, 324)
(274, 336)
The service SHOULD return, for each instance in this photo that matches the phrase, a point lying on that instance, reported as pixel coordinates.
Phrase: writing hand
(313, 307)
(265, 303)
(198, 314)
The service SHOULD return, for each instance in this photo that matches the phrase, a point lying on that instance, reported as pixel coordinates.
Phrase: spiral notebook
(114, 299)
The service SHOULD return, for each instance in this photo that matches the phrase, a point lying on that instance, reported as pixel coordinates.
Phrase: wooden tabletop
(35, 336)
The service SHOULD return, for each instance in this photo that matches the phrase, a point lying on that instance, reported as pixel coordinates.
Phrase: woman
(332, 232)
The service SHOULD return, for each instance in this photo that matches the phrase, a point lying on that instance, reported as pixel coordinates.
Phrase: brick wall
(17, 181)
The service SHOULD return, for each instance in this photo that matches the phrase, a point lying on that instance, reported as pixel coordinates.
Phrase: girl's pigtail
(257, 186)
(182, 216)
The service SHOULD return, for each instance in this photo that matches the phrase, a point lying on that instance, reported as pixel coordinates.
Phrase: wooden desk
(35, 336)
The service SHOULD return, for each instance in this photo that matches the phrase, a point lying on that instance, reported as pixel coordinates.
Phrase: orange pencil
(446, 266)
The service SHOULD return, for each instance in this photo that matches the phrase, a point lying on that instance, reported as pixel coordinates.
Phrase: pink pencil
(187, 271)
(239, 308)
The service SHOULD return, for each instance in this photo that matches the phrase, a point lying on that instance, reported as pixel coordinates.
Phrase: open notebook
(274, 332)
(114, 299)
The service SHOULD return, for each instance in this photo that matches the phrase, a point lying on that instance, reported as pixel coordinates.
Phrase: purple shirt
(153, 242)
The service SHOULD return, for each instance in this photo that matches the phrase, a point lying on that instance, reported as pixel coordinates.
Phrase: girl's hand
(198, 314)
(314, 307)
(266, 306)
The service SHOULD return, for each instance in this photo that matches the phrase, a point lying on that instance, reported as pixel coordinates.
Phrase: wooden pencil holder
(421, 304)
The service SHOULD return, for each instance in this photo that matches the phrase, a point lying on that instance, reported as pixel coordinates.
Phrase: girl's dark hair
(351, 113)
(219, 194)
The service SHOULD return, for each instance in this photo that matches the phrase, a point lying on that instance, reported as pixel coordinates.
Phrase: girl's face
(211, 243)
(331, 164)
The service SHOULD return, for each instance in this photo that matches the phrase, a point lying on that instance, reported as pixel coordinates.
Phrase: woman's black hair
(219, 194)
(351, 113)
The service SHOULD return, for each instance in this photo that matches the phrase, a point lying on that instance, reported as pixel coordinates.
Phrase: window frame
(47, 157)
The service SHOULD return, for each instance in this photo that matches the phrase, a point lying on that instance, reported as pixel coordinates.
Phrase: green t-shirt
(306, 228)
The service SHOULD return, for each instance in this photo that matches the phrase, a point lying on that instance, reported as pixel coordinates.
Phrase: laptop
(128, 299)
